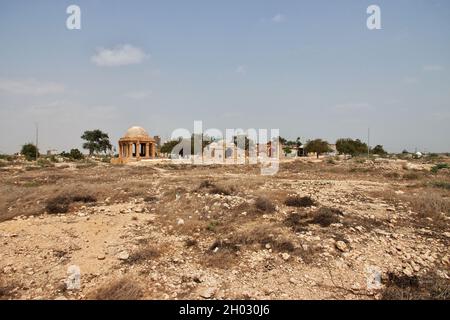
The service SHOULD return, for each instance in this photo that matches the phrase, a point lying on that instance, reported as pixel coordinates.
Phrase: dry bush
(427, 287)
(325, 216)
(264, 204)
(296, 222)
(441, 185)
(214, 188)
(367, 223)
(143, 255)
(190, 242)
(392, 175)
(430, 205)
(221, 254)
(61, 203)
(58, 204)
(206, 184)
(278, 242)
(151, 198)
(262, 236)
(123, 289)
(297, 201)
(412, 176)
(5, 289)
(221, 259)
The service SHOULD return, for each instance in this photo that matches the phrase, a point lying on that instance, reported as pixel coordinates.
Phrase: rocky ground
(316, 230)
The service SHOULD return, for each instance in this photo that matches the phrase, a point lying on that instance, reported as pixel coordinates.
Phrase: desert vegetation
(164, 231)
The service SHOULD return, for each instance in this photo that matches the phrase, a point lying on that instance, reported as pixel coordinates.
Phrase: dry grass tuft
(325, 216)
(5, 289)
(61, 203)
(214, 188)
(412, 176)
(264, 204)
(123, 289)
(431, 205)
(143, 255)
(296, 222)
(297, 201)
(427, 287)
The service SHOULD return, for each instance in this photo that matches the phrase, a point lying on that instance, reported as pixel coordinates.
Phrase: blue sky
(309, 68)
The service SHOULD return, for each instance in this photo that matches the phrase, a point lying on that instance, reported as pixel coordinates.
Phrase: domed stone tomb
(135, 145)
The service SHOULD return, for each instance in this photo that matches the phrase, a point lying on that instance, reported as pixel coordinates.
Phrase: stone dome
(136, 132)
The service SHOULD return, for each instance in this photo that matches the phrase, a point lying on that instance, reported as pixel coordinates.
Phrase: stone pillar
(130, 150)
(138, 150)
(153, 150)
(147, 150)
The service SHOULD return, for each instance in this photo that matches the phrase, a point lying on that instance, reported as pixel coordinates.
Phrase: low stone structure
(136, 145)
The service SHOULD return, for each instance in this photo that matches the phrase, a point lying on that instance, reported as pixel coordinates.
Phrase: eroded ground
(315, 230)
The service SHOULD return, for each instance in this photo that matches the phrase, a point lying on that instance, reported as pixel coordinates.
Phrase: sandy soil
(164, 231)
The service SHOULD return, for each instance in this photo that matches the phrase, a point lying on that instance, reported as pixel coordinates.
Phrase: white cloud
(433, 68)
(30, 87)
(241, 69)
(119, 56)
(138, 95)
(278, 18)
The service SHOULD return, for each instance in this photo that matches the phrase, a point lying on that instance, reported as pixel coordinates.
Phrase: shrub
(86, 164)
(441, 184)
(264, 204)
(326, 216)
(44, 163)
(6, 289)
(58, 204)
(76, 154)
(296, 222)
(411, 176)
(392, 175)
(29, 150)
(143, 255)
(190, 242)
(427, 287)
(216, 189)
(439, 166)
(6, 157)
(297, 201)
(3, 163)
(212, 226)
(123, 289)
(151, 198)
(83, 198)
(431, 205)
(61, 203)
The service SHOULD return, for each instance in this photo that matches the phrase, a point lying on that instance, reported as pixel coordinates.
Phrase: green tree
(287, 150)
(378, 149)
(169, 145)
(30, 151)
(76, 154)
(350, 146)
(283, 141)
(96, 141)
(318, 146)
